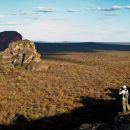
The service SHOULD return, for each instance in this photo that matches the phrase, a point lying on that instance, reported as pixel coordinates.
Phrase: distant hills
(54, 47)
(8, 36)
(81, 47)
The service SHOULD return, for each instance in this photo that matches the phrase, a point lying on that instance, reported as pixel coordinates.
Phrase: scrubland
(58, 90)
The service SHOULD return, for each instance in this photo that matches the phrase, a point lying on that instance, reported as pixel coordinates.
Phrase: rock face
(8, 36)
(22, 54)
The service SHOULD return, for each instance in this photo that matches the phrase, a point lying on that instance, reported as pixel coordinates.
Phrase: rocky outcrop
(8, 36)
(121, 122)
(22, 54)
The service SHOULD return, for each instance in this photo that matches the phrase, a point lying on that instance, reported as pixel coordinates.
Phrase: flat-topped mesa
(22, 54)
(8, 36)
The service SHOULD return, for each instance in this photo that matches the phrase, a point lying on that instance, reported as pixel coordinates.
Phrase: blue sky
(67, 20)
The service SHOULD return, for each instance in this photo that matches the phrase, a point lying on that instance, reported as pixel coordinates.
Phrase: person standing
(125, 96)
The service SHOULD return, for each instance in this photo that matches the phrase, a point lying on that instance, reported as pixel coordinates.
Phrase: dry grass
(57, 90)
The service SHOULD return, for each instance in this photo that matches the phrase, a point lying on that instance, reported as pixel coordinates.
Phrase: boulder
(22, 54)
(8, 36)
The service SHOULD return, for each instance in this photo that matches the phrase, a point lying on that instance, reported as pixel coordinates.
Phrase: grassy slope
(70, 76)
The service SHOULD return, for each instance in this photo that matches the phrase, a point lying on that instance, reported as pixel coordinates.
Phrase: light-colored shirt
(124, 93)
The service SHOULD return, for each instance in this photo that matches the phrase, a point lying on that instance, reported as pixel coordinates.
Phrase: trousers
(125, 105)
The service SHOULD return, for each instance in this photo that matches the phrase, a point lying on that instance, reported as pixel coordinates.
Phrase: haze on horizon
(67, 20)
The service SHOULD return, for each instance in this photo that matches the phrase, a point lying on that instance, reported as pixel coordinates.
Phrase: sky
(67, 20)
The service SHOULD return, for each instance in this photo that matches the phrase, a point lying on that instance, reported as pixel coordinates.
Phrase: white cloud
(106, 9)
(14, 14)
(44, 9)
(113, 8)
(116, 7)
(112, 14)
(110, 9)
(73, 10)
(99, 8)
(25, 13)
(92, 8)
(127, 7)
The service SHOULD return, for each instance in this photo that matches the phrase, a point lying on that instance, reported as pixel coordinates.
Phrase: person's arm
(121, 91)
